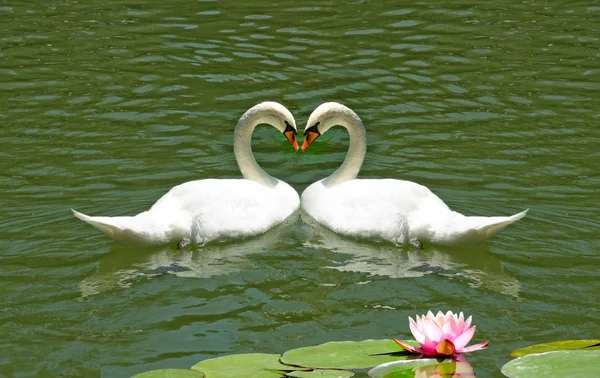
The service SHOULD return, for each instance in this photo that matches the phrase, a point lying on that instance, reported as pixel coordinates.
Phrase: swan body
(211, 209)
(386, 209)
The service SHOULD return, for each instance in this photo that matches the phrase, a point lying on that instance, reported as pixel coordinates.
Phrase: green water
(107, 105)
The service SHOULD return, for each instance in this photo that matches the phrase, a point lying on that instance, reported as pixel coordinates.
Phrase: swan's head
(277, 115)
(325, 117)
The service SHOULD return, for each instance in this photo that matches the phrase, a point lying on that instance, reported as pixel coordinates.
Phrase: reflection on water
(454, 369)
(123, 266)
(477, 264)
(425, 368)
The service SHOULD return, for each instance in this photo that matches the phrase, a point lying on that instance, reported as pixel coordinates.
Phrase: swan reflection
(123, 266)
(476, 264)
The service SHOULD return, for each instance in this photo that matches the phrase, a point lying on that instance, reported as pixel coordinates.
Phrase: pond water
(107, 105)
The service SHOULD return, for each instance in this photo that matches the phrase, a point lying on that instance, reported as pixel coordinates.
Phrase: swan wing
(228, 208)
(203, 210)
(370, 208)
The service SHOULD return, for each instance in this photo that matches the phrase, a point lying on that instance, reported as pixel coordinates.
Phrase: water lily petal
(458, 326)
(409, 348)
(468, 322)
(440, 319)
(445, 348)
(432, 318)
(414, 329)
(448, 326)
(460, 323)
(431, 329)
(428, 346)
(429, 317)
(461, 341)
(475, 347)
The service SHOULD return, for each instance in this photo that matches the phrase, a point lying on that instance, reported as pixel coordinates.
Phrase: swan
(399, 211)
(205, 210)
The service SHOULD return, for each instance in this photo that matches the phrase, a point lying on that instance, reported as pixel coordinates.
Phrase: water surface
(107, 105)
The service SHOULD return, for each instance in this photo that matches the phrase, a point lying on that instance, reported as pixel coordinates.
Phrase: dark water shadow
(477, 264)
(123, 266)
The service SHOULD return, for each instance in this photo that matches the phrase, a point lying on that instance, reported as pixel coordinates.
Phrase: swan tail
(115, 228)
(489, 226)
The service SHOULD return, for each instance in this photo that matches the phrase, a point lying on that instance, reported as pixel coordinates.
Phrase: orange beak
(291, 137)
(309, 137)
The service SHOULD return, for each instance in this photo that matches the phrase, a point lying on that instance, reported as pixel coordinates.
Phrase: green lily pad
(558, 364)
(170, 373)
(244, 365)
(403, 368)
(320, 374)
(557, 345)
(346, 354)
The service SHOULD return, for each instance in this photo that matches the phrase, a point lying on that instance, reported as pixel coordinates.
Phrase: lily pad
(171, 373)
(564, 363)
(557, 345)
(346, 354)
(320, 374)
(403, 368)
(244, 365)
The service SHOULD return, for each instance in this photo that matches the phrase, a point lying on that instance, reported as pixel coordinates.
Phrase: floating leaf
(170, 373)
(345, 354)
(320, 374)
(557, 345)
(564, 363)
(244, 365)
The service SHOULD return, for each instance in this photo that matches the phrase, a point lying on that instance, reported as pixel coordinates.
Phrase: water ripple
(108, 105)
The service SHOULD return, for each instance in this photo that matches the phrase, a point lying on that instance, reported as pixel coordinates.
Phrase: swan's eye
(313, 129)
(290, 134)
(289, 128)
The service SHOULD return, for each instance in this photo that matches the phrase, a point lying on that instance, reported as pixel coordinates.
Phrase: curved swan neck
(242, 148)
(356, 151)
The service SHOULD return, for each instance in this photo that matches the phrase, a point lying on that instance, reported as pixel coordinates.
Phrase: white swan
(205, 210)
(394, 210)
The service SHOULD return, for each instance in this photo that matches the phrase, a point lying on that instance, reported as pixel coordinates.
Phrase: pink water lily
(442, 335)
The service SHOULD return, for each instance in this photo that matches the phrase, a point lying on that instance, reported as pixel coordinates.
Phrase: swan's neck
(242, 149)
(356, 151)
